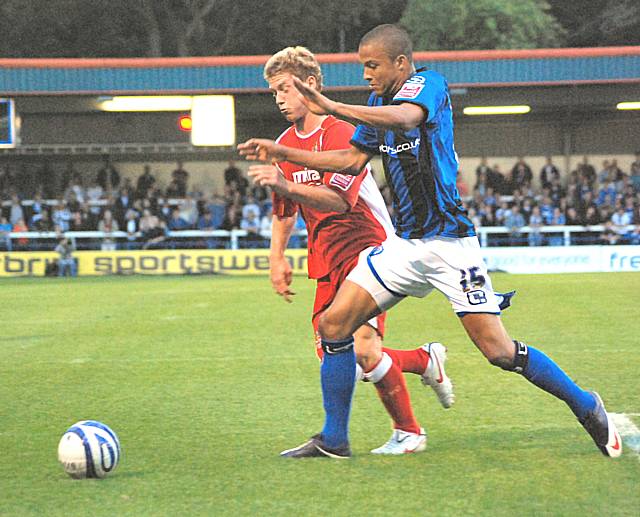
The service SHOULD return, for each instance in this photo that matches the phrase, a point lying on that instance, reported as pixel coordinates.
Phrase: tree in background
(593, 23)
(128, 28)
(481, 24)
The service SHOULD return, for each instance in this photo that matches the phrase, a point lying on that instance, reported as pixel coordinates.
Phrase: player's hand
(262, 150)
(268, 176)
(313, 99)
(281, 277)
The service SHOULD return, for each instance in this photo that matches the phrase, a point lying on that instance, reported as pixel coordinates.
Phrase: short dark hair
(396, 41)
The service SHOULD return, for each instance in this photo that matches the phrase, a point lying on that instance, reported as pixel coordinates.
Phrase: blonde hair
(298, 61)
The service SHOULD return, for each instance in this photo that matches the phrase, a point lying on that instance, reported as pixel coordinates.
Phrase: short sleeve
(426, 89)
(339, 136)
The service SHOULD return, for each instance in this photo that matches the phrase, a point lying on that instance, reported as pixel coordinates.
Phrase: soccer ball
(89, 449)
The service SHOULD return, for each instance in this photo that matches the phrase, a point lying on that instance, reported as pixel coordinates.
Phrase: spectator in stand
(108, 177)
(514, 221)
(521, 174)
(22, 242)
(181, 177)
(232, 174)
(266, 222)
(548, 172)
(40, 221)
(231, 219)
(481, 184)
(634, 236)
(207, 224)
(5, 229)
(496, 180)
(152, 230)
(251, 224)
(94, 196)
(535, 224)
(177, 223)
(483, 169)
(79, 221)
(587, 171)
(75, 190)
(16, 212)
(607, 194)
(558, 219)
(573, 219)
(502, 213)
(173, 190)
(609, 235)
(251, 206)
(556, 191)
(260, 193)
(620, 220)
(526, 208)
(616, 173)
(635, 173)
(604, 176)
(189, 211)
(546, 210)
(145, 182)
(476, 219)
(490, 199)
(131, 228)
(61, 217)
(108, 225)
(38, 204)
(124, 202)
(66, 262)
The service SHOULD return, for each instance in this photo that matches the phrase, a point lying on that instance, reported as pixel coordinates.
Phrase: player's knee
(368, 350)
(510, 359)
(330, 327)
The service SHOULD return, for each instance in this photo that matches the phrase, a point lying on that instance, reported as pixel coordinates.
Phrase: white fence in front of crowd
(563, 235)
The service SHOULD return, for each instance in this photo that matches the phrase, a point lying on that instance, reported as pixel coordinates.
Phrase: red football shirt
(334, 237)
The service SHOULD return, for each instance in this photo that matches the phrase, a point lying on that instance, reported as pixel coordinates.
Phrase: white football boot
(435, 375)
(403, 442)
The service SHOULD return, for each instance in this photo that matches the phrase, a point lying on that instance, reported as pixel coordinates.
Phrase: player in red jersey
(344, 215)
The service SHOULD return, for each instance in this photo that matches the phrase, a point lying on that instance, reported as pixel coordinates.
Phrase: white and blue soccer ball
(89, 449)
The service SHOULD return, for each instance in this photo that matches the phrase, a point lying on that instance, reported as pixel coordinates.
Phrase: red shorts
(326, 289)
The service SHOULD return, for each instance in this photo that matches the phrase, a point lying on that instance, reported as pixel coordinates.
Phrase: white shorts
(414, 267)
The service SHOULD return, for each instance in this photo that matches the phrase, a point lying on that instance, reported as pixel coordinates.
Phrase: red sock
(409, 361)
(392, 389)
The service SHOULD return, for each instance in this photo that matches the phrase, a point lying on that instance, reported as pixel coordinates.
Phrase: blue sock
(547, 375)
(337, 377)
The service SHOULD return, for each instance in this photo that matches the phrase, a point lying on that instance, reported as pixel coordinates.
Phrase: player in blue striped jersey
(409, 122)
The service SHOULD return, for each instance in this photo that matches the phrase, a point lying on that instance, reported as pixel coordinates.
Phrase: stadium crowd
(147, 213)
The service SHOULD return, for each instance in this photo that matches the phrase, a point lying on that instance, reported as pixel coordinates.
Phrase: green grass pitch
(206, 379)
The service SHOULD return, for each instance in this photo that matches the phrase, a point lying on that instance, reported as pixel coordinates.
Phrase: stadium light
(628, 105)
(213, 120)
(146, 103)
(185, 123)
(496, 110)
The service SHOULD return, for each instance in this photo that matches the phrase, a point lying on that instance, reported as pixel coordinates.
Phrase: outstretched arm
(404, 116)
(321, 198)
(347, 161)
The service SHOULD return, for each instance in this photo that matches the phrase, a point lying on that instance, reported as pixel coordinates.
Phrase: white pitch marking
(628, 431)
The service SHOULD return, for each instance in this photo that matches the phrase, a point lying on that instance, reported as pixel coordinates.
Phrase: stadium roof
(242, 74)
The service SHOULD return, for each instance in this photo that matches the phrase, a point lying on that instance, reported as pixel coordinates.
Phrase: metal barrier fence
(237, 239)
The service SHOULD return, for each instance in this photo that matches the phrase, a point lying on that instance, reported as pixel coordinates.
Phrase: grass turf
(206, 379)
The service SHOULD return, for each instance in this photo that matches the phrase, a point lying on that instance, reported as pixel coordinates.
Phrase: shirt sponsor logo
(342, 181)
(407, 146)
(409, 91)
(307, 176)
